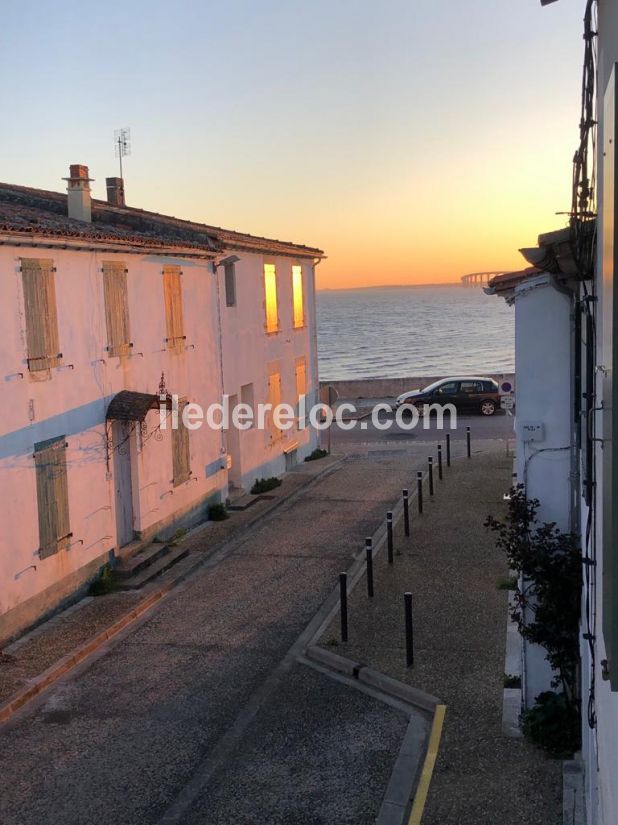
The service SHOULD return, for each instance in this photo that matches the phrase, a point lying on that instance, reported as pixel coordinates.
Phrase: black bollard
(343, 601)
(430, 462)
(468, 441)
(389, 536)
(406, 513)
(407, 603)
(440, 462)
(419, 489)
(369, 551)
(448, 449)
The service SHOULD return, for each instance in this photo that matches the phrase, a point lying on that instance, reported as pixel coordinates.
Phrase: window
(247, 397)
(447, 389)
(274, 397)
(229, 270)
(297, 296)
(52, 495)
(181, 458)
(40, 313)
(172, 293)
(470, 387)
(270, 298)
(116, 307)
(300, 372)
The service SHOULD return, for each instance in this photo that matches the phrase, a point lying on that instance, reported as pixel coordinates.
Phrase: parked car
(467, 393)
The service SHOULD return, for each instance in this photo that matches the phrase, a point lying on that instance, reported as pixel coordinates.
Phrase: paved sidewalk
(37, 650)
(451, 566)
(155, 730)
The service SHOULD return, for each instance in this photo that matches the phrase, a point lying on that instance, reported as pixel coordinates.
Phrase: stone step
(130, 565)
(147, 574)
(243, 502)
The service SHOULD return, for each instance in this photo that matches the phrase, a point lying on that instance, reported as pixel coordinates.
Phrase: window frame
(298, 289)
(271, 299)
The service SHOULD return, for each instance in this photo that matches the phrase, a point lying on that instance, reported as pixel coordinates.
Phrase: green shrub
(511, 681)
(263, 485)
(217, 512)
(507, 584)
(553, 724)
(317, 453)
(106, 582)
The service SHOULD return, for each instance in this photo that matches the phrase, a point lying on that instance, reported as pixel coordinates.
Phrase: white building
(565, 360)
(103, 307)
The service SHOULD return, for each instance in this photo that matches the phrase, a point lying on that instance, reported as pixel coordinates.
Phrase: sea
(395, 332)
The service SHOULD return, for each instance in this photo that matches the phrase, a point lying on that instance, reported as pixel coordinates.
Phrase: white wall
(248, 349)
(73, 400)
(543, 377)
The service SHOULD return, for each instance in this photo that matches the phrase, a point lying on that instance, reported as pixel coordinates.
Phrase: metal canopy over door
(121, 440)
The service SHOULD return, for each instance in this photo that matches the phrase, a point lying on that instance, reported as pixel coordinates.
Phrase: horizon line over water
(413, 330)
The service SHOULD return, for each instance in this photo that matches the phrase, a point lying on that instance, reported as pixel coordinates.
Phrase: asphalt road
(365, 432)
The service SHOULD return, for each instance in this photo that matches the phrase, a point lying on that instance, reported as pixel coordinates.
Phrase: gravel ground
(38, 650)
(451, 567)
(291, 768)
(117, 743)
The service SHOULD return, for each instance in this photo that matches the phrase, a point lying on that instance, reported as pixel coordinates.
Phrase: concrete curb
(75, 657)
(418, 699)
(81, 653)
(512, 697)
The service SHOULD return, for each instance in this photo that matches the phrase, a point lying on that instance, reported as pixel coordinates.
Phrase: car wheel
(488, 407)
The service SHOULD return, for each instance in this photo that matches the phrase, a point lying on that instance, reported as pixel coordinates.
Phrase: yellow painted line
(422, 790)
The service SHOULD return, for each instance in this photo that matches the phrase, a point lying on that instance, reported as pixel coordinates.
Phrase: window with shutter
(172, 292)
(230, 285)
(180, 450)
(116, 307)
(40, 312)
(297, 297)
(52, 496)
(274, 398)
(300, 372)
(270, 298)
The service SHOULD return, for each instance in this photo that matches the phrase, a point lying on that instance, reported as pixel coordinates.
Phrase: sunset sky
(413, 141)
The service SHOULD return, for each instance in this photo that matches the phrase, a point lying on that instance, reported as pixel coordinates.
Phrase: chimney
(115, 191)
(78, 193)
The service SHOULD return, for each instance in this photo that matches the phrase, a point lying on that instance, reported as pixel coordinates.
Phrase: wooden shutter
(230, 285)
(300, 371)
(116, 307)
(180, 450)
(52, 496)
(172, 292)
(40, 312)
(274, 398)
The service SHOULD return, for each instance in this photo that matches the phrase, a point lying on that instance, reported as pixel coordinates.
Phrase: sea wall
(390, 387)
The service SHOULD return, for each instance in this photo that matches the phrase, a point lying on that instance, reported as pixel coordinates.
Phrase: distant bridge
(480, 277)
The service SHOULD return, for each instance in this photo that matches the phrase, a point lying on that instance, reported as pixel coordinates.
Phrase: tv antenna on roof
(122, 142)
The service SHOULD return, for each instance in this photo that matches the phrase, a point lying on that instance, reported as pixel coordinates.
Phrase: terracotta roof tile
(41, 212)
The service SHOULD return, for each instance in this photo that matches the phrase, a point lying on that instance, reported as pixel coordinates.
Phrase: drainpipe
(574, 503)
